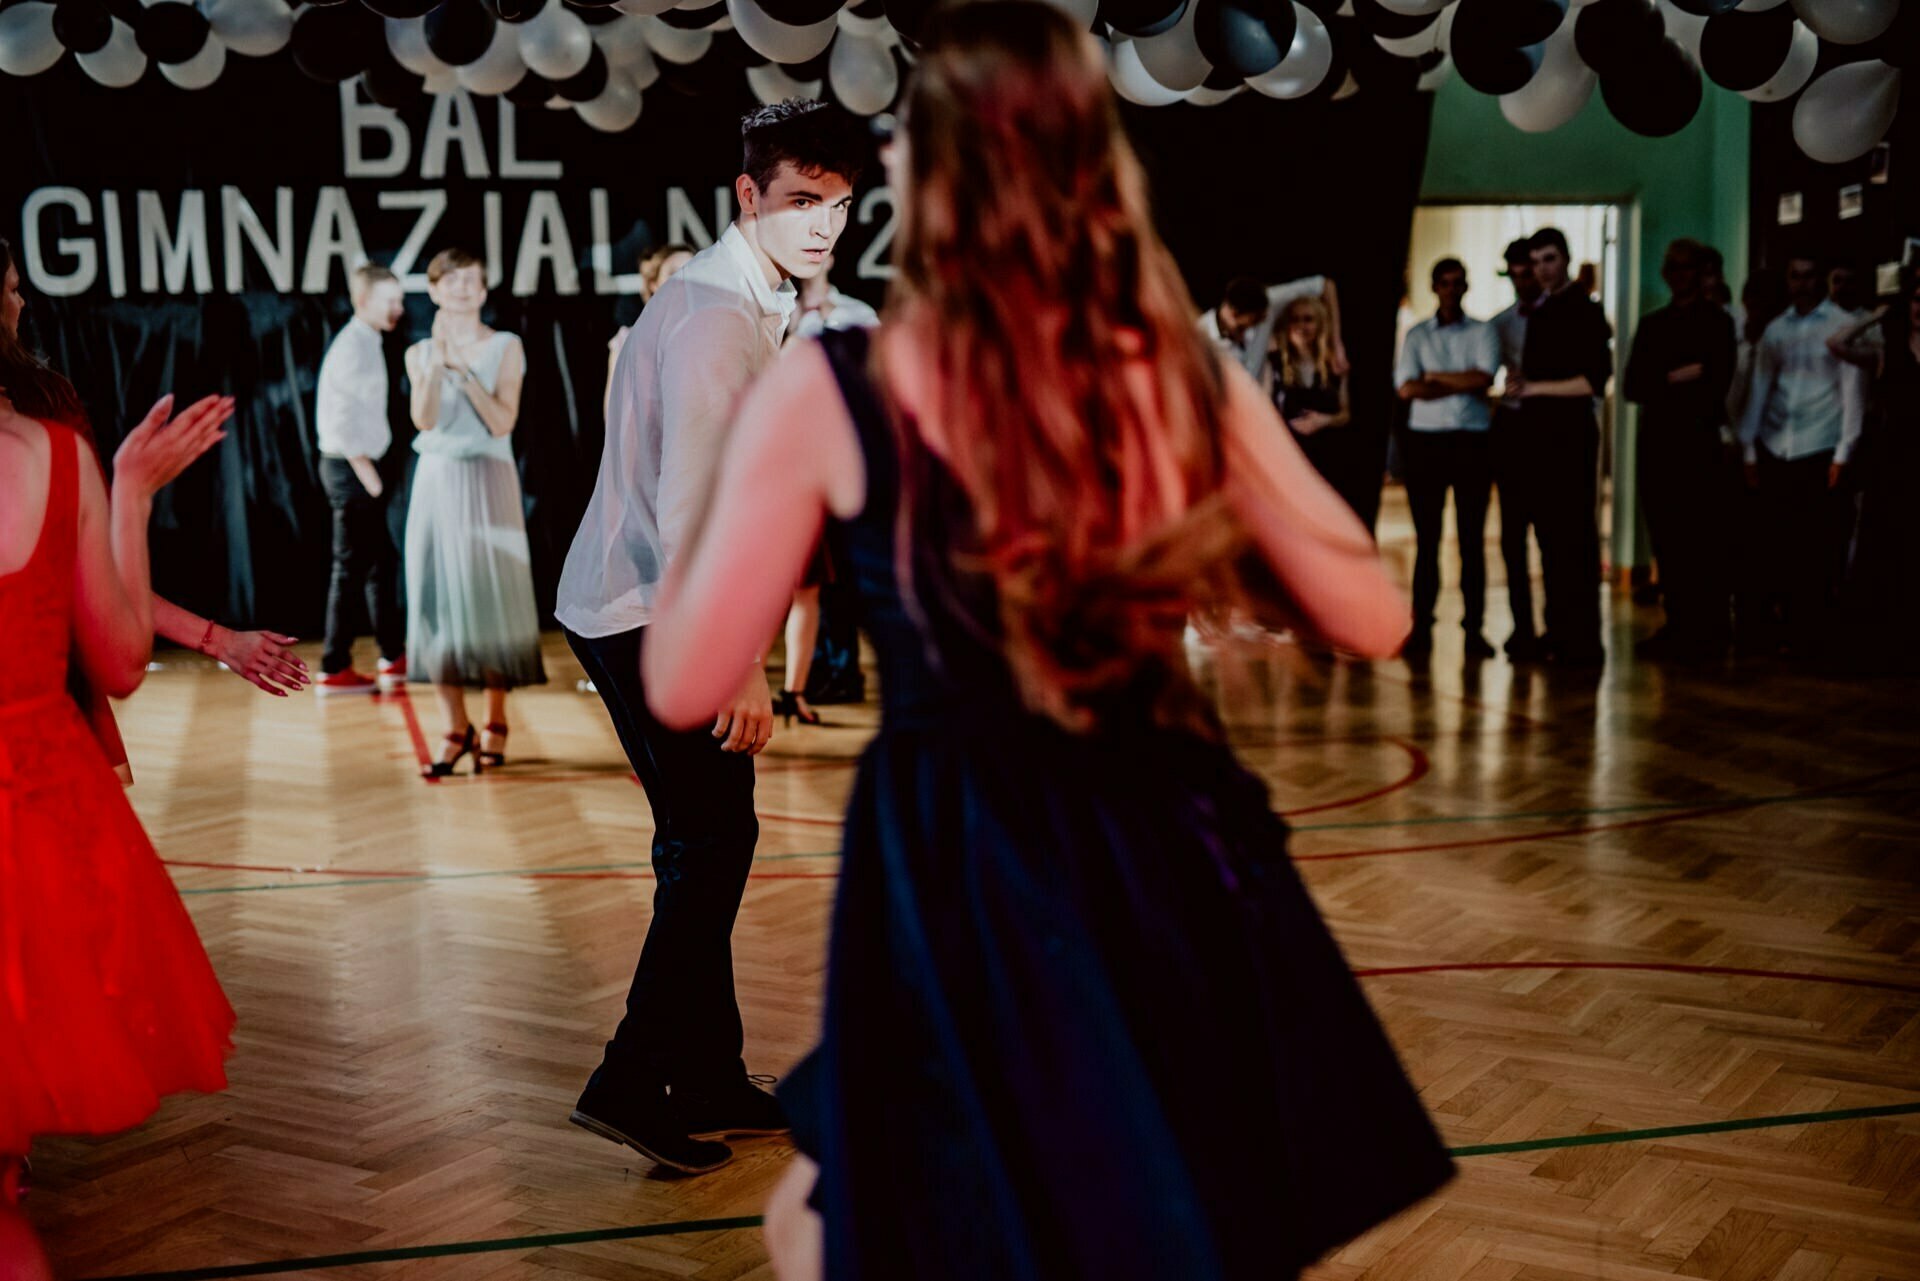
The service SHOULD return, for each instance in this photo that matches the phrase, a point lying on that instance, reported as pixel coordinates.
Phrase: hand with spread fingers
(164, 445)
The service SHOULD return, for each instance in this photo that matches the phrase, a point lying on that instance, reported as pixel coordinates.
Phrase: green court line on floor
(406, 1253)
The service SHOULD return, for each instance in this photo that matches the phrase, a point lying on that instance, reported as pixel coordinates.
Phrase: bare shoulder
(795, 415)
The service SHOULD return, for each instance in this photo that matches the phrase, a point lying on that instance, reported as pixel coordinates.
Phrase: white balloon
(1431, 80)
(255, 28)
(1844, 113)
(617, 107)
(863, 74)
(1134, 82)
(1414, 8)
(1205, 97)
(1173, 57)
(1081, 11)
(407, 38)
(875, 26)
(441, 80)
(1683, 26)
(27, 43)
(202, 69)
(118, 63)
(1307, 60)
(677, 46)
(497, 70)
(624, 43)
(1558, 90)
(1794, 73)
(1347, 89)
(1847, 21)
(1425, 40)
(555, 42)
(771, 83)
(643, 8)
(779, 40)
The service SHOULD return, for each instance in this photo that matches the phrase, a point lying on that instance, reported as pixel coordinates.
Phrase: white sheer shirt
(701, 340)
(350, 410)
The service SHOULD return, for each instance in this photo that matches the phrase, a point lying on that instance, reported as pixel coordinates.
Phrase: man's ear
(747, 193)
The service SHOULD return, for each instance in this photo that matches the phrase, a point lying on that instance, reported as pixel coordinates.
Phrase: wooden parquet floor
(1649, 944)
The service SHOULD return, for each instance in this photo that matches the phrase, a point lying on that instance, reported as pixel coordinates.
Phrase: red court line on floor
(413, 732)
(1651, 967)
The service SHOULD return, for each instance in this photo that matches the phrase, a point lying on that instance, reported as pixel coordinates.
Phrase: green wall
(1691, 184)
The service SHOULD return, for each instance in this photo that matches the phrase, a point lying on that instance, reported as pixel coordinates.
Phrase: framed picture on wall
(1853, 201)
(1880, 164)
(1790, 209)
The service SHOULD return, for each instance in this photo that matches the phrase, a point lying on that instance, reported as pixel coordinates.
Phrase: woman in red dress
(107, 1001)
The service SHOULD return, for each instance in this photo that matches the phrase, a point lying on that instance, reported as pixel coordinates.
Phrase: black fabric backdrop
(1273, 190)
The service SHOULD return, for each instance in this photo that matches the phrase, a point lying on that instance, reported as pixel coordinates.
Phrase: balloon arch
(1542, 58)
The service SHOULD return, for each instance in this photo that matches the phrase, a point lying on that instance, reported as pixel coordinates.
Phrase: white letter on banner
(442, 130)
(176, 252)
(356, 120)
(604, 281)
(116, 247)
(544, 238)
(490, 211)
(683, 222)
(431, 204)
(85, 256)
(238, 220)
(511, 165)
(336, 234)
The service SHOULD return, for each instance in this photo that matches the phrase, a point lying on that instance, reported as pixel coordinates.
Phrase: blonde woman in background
(656, 269)
(1310, 395)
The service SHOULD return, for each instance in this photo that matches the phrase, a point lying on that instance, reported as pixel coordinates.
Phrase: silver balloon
(202, 69)
(255, 28)
(643, 8)
(1794, 73)
(500, 68)
(441, 81)
(118, 63)
(1133, 81)
(1414, 8)
(676, 46)
(1847, 21)
(1173, 57)
(1205, 97)
(778, 40)
(874, 26)
(1423, 41)
(624, 42)
(1844, 113)
(1307, 61)
(1431, 80)
(863, 74)
(1683, 26)
(771, 83)
(1558, 90)
(27, 43)
(555, 42)
(407, 39)
(1758, 6)
(617, 107)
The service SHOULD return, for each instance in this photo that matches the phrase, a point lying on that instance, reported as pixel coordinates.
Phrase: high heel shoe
(468, 742)
(789, 708)
(494, 760)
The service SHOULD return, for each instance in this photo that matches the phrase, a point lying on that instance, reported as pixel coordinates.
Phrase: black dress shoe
(1478, 646)
(1525, 647)
(649, 1121)
(739, 1108)
(1418, 651)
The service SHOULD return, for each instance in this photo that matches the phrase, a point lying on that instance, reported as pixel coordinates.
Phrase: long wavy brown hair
(1028, 269)
(35, 389)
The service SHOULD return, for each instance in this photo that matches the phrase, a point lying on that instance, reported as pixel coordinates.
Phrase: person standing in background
(1678, 373)
(1513, 463)
(1241, 327)
(350, 415)
(1311, 398)
(1444, 370)
(656, 269)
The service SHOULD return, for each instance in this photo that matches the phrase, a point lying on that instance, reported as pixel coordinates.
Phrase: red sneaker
(345, 682)
(393, 674)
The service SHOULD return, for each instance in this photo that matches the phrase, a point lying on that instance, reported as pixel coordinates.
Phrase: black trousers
(1565, 442)
(1513, 475)
(1437, 461)
(366, 570)
(1805, 527)
(1682, 481)
(682, 1026)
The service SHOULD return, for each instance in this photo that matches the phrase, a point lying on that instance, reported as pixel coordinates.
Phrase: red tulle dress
(107, 1001)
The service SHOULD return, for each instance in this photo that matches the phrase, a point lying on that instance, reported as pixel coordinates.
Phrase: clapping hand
(162, 447)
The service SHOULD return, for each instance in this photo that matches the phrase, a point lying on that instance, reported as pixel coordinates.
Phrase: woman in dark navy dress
(1082, 1019)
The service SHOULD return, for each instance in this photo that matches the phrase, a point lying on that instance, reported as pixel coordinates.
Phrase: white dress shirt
(351, 408)
(1251, 350)
(1433, 348)
(1511, 326)
(701, 340)
(1804, 399)
(842, 311)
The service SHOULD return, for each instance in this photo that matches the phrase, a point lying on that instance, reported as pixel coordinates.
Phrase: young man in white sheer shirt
(672, 1081)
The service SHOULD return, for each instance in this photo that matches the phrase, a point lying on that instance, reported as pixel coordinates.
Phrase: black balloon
(703, 79)
(870, 9)
(532, 91)
(814, 68)
(591, 4)
(1613, 35)
(170, 32)
(1326, 11)
(730, 49)
(1142, 17)
(1382, 21)
(804, 13)
(695, 19)
(515, 10)
(459, 31)
(588, 82)
(401, 8)
(1707, 8)
(907, 16)
(1743, 50)
(1376, 71)
(336, 42)
(1245, 37)
(128, 11)
(323, 3)
(1510, 23)
(1659, 95)
(594, 15)
(1484, 52)
(390, 84)
(83, 26)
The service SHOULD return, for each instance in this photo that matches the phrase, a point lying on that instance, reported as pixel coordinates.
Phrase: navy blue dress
(1082, 1018)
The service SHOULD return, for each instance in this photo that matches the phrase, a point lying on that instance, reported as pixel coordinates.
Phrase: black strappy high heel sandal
(787, 707)
(468, 742)
(494, 760)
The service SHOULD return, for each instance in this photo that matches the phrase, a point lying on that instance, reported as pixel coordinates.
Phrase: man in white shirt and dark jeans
(672, 1080)
(354, 435)
(1446, 366)
(1802, 422)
